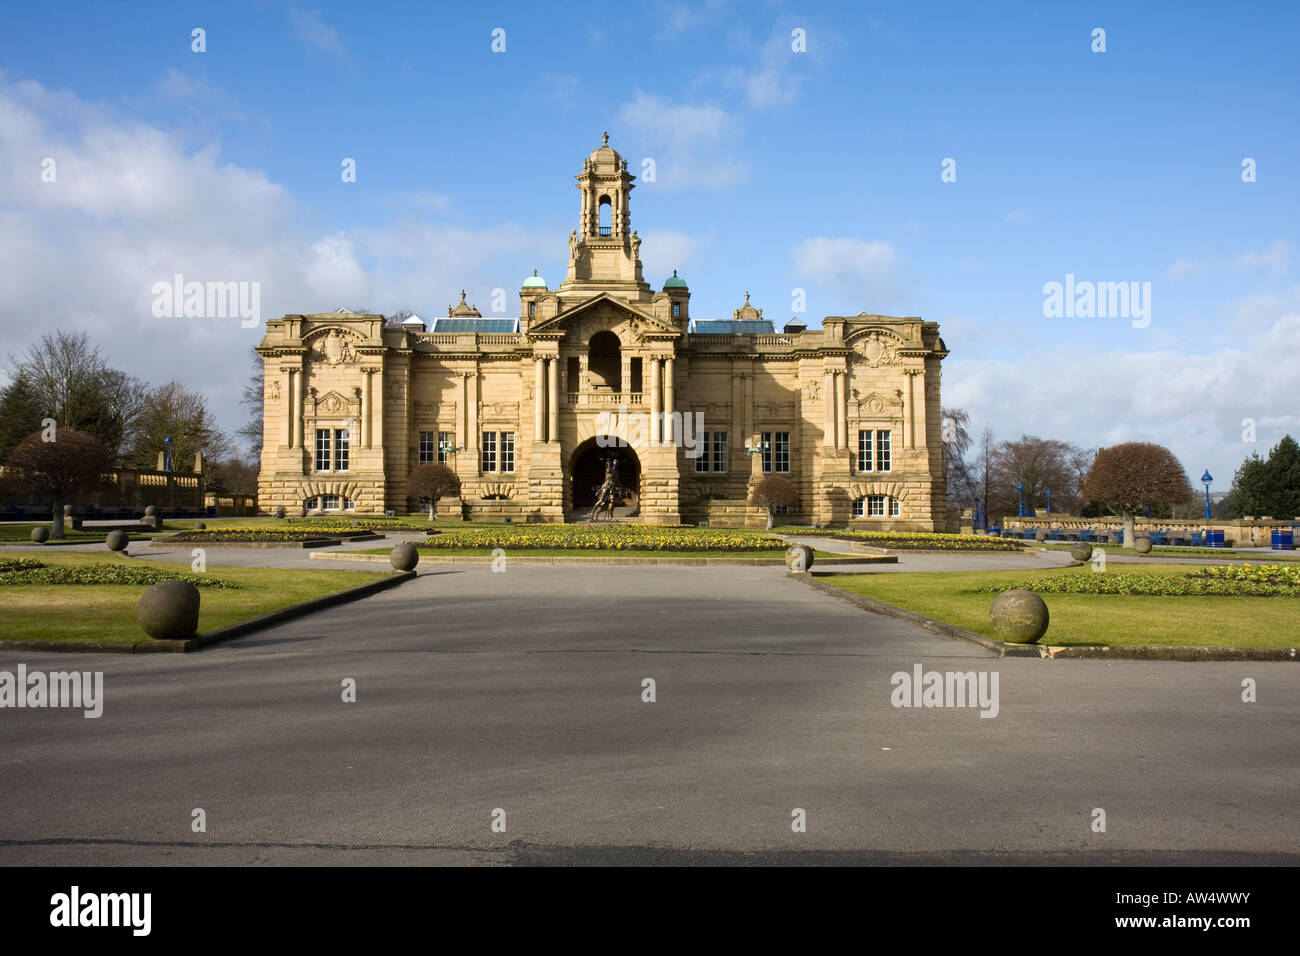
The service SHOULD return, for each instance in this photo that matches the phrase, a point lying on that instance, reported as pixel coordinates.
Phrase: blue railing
(605, 231)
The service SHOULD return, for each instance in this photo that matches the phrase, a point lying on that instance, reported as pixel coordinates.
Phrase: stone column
(831, 428)
(553, 399)
(377, 426)
(841, 410)
(669, 403)
(539, 399)
(921, 414)
(296, 411)
(462, 417)
(472, 411)
(286, 396)
(655, 408)
(363, 425)
(909, 406)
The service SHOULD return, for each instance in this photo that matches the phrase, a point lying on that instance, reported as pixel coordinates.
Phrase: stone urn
(404, 557)
(799, 557)
(1018, 616)
(169, 611)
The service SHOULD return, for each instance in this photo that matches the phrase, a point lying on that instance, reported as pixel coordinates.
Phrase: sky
(943, 160)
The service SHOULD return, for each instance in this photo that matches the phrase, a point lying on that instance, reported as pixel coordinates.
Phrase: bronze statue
(606, 496)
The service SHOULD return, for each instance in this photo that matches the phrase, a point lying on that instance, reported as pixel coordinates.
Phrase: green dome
(675, 282)
(534, 281)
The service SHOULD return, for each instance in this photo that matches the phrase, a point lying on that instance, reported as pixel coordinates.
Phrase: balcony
(605, 399)
(604, 231)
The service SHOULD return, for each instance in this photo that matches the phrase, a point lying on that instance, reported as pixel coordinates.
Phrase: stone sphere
(799, 557)
(1081, 552)
(40, 534)
(200, 526)
(169, 611)
(150, 521)
(1018, 617)
(117, 540)
(1040, 535)
(150, 511)
(1142, 545)
(404, 557)
(279, 512)
(69, 510)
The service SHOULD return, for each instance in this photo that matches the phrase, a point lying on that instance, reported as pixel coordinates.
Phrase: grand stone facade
(527, 411)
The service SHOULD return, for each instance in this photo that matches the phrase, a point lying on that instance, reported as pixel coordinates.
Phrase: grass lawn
(105, 613)
(954, 598)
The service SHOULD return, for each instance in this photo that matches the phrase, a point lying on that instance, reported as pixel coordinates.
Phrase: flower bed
(914, 540)
(1230, 581)
(608, 538)
(218, 535)
(28, 571)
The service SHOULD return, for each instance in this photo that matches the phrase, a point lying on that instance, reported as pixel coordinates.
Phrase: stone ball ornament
(799, 557)
(150, 511)
(117, 540)
(1142, 545)
(404, 557)
(200, 526)
(40, 534)
(1081, 552)
(279, 512)
(1018, 616)
(169, 611)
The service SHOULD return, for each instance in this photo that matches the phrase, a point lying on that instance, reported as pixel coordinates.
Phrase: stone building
(528, 411)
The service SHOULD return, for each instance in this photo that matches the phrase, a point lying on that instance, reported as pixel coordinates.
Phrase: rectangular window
(428, 448)
(677, 310)
(340, 449)
(780, 452)
(702, 462)
(864, 450)
(507, 451)
(444, 442)
(857, 507)
(893, 508)
(322, 449)
(882, 450)
(719, 451)
(875, 506)
(489, 451)
(765, 451)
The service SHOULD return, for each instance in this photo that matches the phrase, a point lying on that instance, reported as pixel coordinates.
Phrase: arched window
(606, 216)
(604, 361)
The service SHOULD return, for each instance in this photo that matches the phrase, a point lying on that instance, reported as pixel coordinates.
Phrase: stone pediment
(606, 312)
(332, 403)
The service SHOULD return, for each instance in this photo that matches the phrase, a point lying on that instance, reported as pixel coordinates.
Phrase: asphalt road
(523, 691)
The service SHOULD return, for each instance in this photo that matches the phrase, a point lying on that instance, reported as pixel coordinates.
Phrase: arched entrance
(587, 473)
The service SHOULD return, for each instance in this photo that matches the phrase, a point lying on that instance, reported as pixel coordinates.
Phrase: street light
(977, 523)
(167, 456)
(1207, 478)
(1020, 494)
(1049, 500)
(448, 448)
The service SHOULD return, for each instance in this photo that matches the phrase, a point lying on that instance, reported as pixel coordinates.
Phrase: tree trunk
(57, 508)
(433, 503)
(1128, 531)
(769, 519)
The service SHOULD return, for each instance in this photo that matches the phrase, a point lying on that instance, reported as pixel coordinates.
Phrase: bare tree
(174, 410)
(252, 399)
(73, 461)
(774, 492)
(431, 481)
(955, 443)
(1130, 477)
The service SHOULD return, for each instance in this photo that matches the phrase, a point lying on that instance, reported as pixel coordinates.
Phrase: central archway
(587, 473)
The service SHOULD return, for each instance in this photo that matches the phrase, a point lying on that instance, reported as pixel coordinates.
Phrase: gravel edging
(200, 641)
(1135, 652)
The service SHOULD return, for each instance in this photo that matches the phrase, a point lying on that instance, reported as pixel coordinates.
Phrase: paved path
(522, 691)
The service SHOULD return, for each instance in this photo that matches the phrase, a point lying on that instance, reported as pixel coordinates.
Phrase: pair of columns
(836, 432)
(546, 400)
(293, 421)
(662, 400)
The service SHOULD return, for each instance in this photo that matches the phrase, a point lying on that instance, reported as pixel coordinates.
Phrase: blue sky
(776, 170)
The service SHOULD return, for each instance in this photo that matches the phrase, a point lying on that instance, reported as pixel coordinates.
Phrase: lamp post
(448, 448)
(977, 522)
(1049, 500)
(167, 453)
(1020, 495)
(1207, 478)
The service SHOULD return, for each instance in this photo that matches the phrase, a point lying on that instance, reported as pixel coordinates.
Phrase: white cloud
(315, 34)
(688, 142)
(847, 275)
(1277, 258)
(662, 251)
(1187, 267)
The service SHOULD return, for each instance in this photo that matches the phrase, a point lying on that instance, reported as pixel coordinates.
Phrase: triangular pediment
(618, 311)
